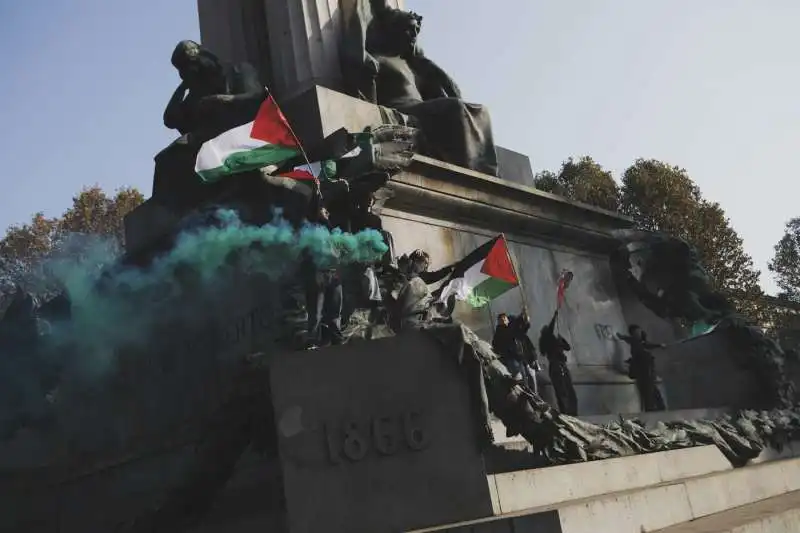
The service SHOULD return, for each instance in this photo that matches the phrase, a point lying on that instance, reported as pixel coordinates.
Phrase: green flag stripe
(488, 290)
(248, 160)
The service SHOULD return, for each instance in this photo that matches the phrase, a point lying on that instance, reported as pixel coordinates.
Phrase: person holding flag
(552, 345)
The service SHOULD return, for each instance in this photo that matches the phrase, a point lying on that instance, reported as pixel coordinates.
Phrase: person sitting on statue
(455, 131)
(212, 97)
(412, 304)
(552, 345)
(323, 297)
(642, 368)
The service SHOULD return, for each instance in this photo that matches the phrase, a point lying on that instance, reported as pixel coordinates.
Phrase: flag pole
(513, 259)
(299, 145)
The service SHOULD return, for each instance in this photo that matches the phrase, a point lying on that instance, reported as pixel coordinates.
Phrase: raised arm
(438, 275)
(552, 325)
(174, 118)
(653, 345)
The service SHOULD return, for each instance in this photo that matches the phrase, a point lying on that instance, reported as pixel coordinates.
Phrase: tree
(584, 181)
(659, 197)
(786, 262)
(25, 246)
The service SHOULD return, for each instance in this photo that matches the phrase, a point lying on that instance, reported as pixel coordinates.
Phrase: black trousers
(324, 306)
(649, 396)
(564, 390)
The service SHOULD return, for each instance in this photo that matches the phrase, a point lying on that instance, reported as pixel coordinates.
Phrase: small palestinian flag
(266, 141)
(563, 284)
(483, 275)
(319, 170)
(312, 171)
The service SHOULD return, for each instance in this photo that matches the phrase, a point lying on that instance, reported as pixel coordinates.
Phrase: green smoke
(119, 307)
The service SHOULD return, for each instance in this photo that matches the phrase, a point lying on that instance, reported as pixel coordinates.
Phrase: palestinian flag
(320, 169)
(312, 171)
(563, 284)
(483, 275)
(266, 141)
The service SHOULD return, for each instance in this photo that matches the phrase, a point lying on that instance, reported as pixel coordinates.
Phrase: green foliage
(584, 181)
(92, 212)
(659, 197)
(25, 247)
(786, 262)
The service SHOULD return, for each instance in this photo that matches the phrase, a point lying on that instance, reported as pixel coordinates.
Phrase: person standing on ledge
(552, 345)
(643, 368)
(323, 297)
(505, 346)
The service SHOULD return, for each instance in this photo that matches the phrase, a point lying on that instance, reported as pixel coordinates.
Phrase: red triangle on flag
(271, 126)
(498, 263)
(298, 174)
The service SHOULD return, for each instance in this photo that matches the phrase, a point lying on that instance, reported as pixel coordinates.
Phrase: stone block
(377, 436)
(680, 501)
(631, 512)
(780, 514)
(529, 489)
(742, 486)
(514, 166)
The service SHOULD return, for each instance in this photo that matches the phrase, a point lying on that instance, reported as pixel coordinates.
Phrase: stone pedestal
(377, 436)
(295, 44)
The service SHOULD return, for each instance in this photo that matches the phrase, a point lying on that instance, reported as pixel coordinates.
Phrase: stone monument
(235, 432)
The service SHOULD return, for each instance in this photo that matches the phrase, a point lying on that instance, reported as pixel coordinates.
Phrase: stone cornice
(439, 190)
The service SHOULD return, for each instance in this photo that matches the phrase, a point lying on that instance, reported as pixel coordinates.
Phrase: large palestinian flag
(483, 275)
(266, 141)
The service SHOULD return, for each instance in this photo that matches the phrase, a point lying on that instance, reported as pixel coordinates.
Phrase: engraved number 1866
(386, 435)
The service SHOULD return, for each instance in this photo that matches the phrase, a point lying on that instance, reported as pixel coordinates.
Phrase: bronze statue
(665, 274)
(404, 79)
(213, 97)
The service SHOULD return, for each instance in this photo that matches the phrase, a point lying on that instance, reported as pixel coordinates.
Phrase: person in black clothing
(504, 345)
(515, 349)
(525, 349)
(553, 346)
(414, 304)
(642, 368)
(323, 298)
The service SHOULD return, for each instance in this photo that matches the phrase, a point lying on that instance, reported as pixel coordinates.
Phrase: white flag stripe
(213, 153)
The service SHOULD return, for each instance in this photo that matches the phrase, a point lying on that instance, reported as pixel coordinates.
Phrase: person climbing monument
(642, 368)
(323, 297)
(552, 345)
(520, 325)
(515, 349)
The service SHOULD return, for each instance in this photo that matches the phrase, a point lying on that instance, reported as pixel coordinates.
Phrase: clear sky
(711, 86)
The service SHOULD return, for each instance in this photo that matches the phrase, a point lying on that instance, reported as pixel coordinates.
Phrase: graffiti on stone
(604, 331)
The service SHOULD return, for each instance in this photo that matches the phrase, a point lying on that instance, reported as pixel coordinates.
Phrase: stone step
(779, 514)
(649, 508)
(516, 491)
(677, 502)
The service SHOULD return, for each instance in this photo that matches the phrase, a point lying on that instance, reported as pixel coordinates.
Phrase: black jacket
(551, 345)
(504, 343)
